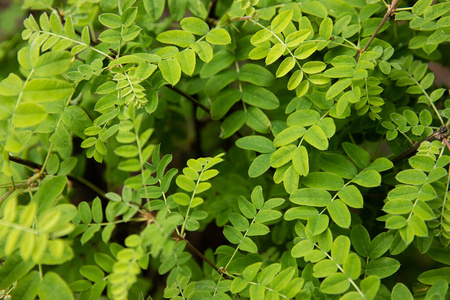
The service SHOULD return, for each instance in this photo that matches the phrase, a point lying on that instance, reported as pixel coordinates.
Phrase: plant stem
(38, 167)
(389, 12)
(196, 251)
(189, 97)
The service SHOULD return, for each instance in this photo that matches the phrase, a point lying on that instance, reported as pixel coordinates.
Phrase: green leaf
(259, 97)
(400, 291)
(382, 267)
(194, 25)
(317, 224)
(177, 8)
(232, 124)
(359, 156)
(324, 268)
(295, 79)
(222, 104)
(54, 287)
(381, 164)
(275, 53)
(154, 8)
(335, 284)
(295, 38)
(29, 114)
(414, 177)
(324, 180)
(93, 273)
(27, 287)
(182, 199)
(232, 234)
(48, 193)
(248, 245)
(247, 208)
(286, 65)
(370, 286)
(85, 212)
(339, 213)
(288, 135)
(380, 244)
(337, 88)
(258, 229)
(398, 206)
(46, 90)
(257, 197)
(128, 16)
(282, 156)
(361, 240)
(303, 118)
(300, 161)
(351, 196)
(316, 137)
(420, 6)
(53, 63)
(305, 50)
(259, 165)
(11, 85)
(61, 138)
(433, 276)
(186, 60)
(337, 164)
(302, 212)
(110, 20)
(179, 38)
(185, 183)
(340, 249)
(302, 248)
(13, 269)
(255, 74)
(97, 212)
(339, 72)
(220, 61)
(281, 21)
(311, 197)
(76, 119)
(352, 266)
(257, 120)
(218, 36)
(313, 67)
(326, 28)
(256, 143)
(170, 70)
(315, 8)
(420, 228)
(368, 178)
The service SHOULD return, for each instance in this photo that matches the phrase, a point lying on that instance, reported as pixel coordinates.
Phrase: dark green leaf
(54, 287)
(324, 180)
(311, 197)
(382, 267)
(361, 240)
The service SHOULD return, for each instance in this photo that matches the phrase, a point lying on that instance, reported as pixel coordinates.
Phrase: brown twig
(389, 12)
(189, 97)
(441, 134)
(196, 251)
(81, 181)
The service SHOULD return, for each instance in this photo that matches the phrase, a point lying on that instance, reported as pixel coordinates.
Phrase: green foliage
(307, 150)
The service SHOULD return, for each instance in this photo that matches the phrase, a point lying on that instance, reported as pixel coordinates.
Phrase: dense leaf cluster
(307, 147)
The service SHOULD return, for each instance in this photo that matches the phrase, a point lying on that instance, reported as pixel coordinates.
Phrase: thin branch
(441, 134)
(80, 181)
(196, 251)
(389, 12)
(189, 97)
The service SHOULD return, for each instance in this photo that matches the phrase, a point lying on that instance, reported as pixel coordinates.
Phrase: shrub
(192, 149)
